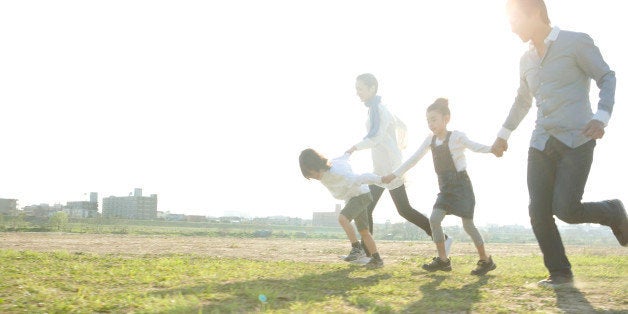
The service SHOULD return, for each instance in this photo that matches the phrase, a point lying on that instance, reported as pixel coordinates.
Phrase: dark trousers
(556, 180)
(400, 198)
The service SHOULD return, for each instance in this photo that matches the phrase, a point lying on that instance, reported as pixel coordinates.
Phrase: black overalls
(456, 193)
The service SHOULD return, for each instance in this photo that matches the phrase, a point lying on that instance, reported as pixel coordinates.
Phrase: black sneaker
(484, 267)
(620, 227)
(438, 264)
(557, 281)
(355, 253)
(374, 263)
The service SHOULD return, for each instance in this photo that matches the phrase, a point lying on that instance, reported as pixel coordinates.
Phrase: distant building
(93, 197)
(130, 207)
(8, 206)
(83, 209)
(42, 210)
(326, 219)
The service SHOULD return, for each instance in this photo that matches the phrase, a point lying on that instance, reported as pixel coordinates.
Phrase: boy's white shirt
(386, 146)
(458, 142)
(343, 183)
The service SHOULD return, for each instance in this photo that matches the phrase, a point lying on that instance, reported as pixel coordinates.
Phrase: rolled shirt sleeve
(590, 60)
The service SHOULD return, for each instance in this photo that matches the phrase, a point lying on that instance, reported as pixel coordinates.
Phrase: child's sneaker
(438, 264)
(484, 267)
(362, 260)
(374, 263)
(355, 253)
(366, 251)
(448, 241)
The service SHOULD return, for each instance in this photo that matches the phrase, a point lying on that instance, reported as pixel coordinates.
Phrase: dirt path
(307, 250)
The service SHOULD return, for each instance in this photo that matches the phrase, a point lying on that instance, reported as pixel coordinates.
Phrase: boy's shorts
(355, 209)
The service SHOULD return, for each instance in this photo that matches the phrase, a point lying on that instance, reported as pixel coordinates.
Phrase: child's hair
(368, 79)
(311, 160)
(440, 105)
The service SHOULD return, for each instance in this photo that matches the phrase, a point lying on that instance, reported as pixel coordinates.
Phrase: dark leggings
(400, 198)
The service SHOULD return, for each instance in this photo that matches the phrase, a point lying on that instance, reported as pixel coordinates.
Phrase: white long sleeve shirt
(385, 148)
(343, 183)
(458, 142)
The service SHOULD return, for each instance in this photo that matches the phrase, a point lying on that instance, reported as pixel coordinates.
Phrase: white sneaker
(361, 260)
(448, 243)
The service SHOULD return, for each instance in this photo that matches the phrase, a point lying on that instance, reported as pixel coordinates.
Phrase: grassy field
(403, 231)
(86, 280)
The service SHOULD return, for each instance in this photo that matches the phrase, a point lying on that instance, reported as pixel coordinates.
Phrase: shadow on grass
(571, 300)
(447, 299)
(281, 294)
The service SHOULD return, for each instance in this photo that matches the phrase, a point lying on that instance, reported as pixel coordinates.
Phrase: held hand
(388, 178)
(351, 150)
(499, 147)
(594, 129)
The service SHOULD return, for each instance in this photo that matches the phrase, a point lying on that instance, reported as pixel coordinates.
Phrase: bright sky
(208, 103)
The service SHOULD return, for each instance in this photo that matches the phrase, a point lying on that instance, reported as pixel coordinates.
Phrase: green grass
(61, 282)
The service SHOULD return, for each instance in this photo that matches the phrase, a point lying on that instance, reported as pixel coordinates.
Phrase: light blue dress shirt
(560, 83)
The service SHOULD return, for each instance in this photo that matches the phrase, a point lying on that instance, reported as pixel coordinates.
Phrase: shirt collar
(551, 37)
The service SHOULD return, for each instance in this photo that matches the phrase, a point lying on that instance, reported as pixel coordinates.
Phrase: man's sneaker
(484, 267)
(355, 253)
(374, 263)
(620, 226)
(448, 241)
(438, 264)
(556, 281)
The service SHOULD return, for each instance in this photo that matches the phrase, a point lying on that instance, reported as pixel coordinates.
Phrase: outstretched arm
(368, 178)
(477, 147)
(342, 166)
(412, 161)
(473, 146)
(518, 111)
